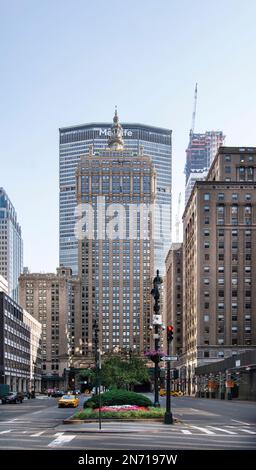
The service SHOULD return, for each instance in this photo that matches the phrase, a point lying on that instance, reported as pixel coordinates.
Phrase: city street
(202, 424)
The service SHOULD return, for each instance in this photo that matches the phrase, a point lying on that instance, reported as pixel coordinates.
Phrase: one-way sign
(169, 358)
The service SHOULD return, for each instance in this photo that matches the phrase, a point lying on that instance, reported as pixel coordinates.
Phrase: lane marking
(185, 431)
(222, 430)
(5, 432)
(206, 431)
(61, 440)
(37, 434)
(241, 422)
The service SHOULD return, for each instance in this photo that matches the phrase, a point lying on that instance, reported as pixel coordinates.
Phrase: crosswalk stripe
(247, 430)
(241, 422)
(222, 430)
(37, 434)
(206, 431)
(185, 431)
(61, 440)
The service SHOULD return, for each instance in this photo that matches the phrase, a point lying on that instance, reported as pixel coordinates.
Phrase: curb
(117, 420)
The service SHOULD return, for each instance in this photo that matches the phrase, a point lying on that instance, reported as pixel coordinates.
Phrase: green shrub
(118, 397)
(132, 414)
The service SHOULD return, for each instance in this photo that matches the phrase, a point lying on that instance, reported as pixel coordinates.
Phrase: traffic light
(169, 333)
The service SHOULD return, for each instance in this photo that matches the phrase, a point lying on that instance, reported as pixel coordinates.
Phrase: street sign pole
(168, 414)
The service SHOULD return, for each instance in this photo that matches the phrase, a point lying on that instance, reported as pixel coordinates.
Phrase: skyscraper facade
(116, 258)
(11, 245)
(174, 293)
(219, 264)
(74, 142)
(54, 300)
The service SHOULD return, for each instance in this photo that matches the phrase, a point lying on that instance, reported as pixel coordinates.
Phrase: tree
(117, 372)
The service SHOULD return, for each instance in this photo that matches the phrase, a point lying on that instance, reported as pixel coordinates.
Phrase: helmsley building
(219, 263)
(116, 258)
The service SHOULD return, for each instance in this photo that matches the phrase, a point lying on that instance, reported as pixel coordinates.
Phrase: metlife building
(74, 142)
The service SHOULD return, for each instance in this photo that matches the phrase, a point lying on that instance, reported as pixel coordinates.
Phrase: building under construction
(201, 151)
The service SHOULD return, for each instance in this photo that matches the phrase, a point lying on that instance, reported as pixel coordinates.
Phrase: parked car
(68, 400)
(13, 397)
(57, 394)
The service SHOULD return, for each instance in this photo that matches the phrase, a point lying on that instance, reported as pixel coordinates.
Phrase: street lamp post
(98, 366)
(168, 419)
(156, 322)
(96, 341)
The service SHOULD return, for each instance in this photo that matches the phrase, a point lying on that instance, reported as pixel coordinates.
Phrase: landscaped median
(118, 405)
(111, 412)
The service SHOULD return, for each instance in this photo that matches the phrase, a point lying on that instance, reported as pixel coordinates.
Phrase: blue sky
(69, 62)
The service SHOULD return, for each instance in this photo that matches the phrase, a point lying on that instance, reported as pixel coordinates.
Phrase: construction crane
(177, 222)
(194, 113)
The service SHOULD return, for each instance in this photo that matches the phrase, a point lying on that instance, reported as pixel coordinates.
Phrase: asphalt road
(203, 424)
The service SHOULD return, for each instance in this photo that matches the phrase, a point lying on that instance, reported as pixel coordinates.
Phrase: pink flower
(122, 408)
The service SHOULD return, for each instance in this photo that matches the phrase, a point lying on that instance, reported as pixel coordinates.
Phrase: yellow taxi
(68, 400)
(174, 393)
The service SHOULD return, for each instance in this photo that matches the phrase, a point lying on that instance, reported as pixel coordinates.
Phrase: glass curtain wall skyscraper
(11, 245)
(74, 142)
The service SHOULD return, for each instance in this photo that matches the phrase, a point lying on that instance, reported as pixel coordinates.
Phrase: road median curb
(117, 420)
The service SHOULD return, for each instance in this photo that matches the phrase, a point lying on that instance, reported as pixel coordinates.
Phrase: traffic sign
(169, 358)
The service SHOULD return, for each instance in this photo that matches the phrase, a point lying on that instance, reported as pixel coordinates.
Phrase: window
(227, 169)
(221, 197)
(206, 197)
(220, 214)
(250, 171)
(206, 354)
(241, 173)
(206, 233)
(206, 281)
(206, 269)
(206, 208)
(206, 317)
(206, 245)
(227, 158)
(234, 197)
(248, 197)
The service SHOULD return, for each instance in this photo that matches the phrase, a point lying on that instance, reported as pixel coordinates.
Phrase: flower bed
(127, 413)
(122, 408)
